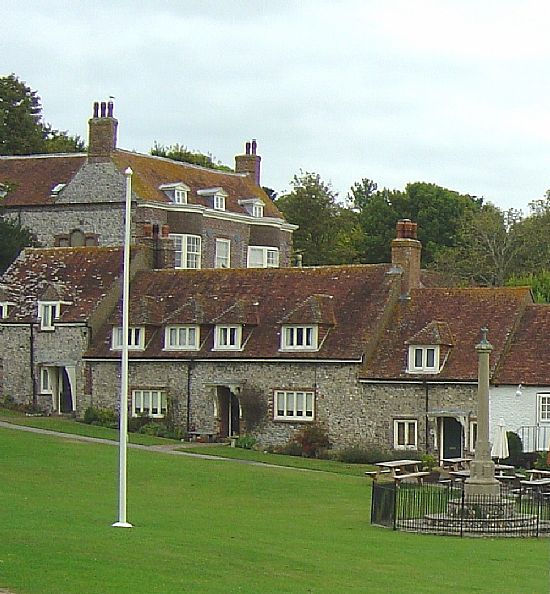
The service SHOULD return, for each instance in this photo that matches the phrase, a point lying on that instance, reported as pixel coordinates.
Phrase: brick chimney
(249, 162)
(405, 254)
(102, 132)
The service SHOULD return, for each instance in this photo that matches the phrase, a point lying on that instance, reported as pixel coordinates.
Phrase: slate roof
(79, 277)
(457, 315)
(528, 358)
(34, 177)
(261, 299)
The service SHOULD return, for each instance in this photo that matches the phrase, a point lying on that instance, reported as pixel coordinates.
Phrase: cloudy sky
(451, 92)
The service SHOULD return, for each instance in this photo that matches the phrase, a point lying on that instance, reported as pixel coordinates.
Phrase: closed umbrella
(500, 443)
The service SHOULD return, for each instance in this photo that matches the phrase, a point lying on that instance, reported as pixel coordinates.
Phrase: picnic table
(399, 470)
(502, 471)
(536, 474)
(456, 463)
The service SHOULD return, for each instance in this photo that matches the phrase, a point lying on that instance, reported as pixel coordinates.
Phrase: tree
(437, 211)
(328, 231)
(179, 152)
(539, 283)
(22, 131)
(486, 249)
(13, 238)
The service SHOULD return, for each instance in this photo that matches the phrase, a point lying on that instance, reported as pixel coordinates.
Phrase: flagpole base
(122, 525)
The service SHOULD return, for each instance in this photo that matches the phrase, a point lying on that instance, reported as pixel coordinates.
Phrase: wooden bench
(201, 436)
(374, 474)
(419, 476)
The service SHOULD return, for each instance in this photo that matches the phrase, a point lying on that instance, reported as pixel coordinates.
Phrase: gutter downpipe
(33, 374)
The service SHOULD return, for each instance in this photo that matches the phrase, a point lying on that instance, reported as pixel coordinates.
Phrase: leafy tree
(539, 283)
(437, 210)
(178, 152)
(486, 249)
(22, 131)
(328, 231)
(13, 238)
(534, 232)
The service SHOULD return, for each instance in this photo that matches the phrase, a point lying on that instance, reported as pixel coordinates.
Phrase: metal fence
(444, 508)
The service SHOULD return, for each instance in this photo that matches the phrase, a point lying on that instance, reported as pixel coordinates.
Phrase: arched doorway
(66, 404)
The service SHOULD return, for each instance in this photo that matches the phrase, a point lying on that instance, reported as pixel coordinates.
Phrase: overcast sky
(451, 92)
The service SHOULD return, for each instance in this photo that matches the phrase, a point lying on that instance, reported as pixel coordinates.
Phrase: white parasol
(500, 442)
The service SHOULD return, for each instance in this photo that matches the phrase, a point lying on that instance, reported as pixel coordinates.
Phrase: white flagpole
(122, 523)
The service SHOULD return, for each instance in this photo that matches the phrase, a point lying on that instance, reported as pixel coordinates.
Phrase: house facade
(374, 353)
(194, 217)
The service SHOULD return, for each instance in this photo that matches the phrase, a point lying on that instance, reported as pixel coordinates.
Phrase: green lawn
(281, 460)
(64, 425)
(221, 526)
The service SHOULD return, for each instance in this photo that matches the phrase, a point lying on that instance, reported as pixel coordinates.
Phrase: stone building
(374, 353)
(194, 217)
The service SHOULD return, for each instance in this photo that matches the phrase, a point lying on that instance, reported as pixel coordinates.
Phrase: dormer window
(136, 338)
(181, 338)
(176, 192)
(48, 312)
(253, 206)
(423, 359)
(57, 188)
(227, 338)
(217, 195)
(299, 338)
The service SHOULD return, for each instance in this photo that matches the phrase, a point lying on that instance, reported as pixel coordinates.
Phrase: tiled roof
(151, 172)
(34, 177)
(528, 359)
(77, 276)
(261, 298)
(464, 312)
(434, 333)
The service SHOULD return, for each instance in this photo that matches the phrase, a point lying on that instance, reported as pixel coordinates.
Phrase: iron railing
(444, 508)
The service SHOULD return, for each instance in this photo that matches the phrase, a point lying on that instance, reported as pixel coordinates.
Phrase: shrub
(104, 417)
(515, 446)
(292, 448)
(354, 455)
(312, 439)
(245, 441)
(428, 462)
(542, 461)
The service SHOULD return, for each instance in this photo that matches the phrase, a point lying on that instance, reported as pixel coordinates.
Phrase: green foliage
(429, 462)
(515, 448)
(179, 152)
(246, 442)
(22, 131)
(542, 461)
(312, 439)
(539, 283)
(367, 454)
(13, 238)
(102, 417)
(328, 232)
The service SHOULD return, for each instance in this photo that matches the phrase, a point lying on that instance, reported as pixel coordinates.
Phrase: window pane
(255, 257)
(309, 404)
(280, 404)
(192, 337)
(401, 434)
(309, 337)
(147, 402)
(155, 403)
(418, 357)
(299, 404)
(290, 404)
(430, 357)
(411, 440)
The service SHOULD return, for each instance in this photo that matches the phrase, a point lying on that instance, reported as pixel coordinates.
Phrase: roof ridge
(42, 156)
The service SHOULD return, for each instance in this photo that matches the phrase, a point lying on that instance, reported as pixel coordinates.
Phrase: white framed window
(180, 196)
(405, 434)
(263, 257)
(187, 250)
(227, 338)
(423, 359)
(152, 403)
(472, 435)
(177, 192)
(219, 201)
(223, 253)
(258, 211)
(4, 309)
(181, 338)
(136, 338)
(544, 407)
(299, 338)
(294, 405)
(48, 312)
(46, 384)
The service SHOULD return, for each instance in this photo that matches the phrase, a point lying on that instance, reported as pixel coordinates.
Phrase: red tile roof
(261, 299)
(78, 276)
(34, 177)
(463, 312)
(528, 359)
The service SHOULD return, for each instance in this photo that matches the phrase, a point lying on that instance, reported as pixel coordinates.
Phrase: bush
(246, 442)
(292, 448)
(312, 439)
(515, 446)
(368, 454)
(542, 461)
(104, 417)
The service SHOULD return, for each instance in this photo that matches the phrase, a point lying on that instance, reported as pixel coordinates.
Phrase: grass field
(221, 526)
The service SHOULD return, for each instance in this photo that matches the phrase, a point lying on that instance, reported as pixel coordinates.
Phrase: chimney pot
(247, 148)
(254, 145)
(110, 109)
(103, 109)
(96, 109)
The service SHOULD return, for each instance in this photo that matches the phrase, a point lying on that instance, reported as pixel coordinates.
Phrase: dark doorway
(65, 396)
(452, 438)
(229, 413)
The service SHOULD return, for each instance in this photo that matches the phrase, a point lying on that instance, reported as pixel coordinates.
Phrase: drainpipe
(31, 362)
